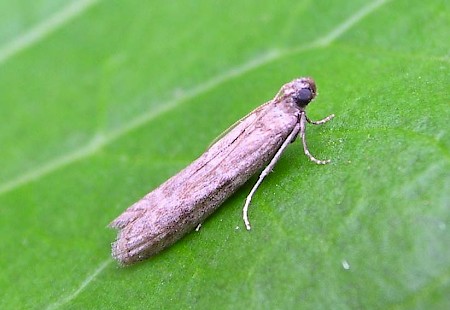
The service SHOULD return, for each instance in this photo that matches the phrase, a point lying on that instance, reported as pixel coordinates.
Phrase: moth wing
(149, 202)
(226, 131)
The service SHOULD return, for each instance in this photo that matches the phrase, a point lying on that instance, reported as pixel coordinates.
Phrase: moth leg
(320, 122)
(303, 120)
(266, 171)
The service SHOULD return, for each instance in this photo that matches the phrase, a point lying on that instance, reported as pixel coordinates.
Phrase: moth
(184, 201)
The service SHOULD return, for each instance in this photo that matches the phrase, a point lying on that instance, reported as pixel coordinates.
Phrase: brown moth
(184, 201)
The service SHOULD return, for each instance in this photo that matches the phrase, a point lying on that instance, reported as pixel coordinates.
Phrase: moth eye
(303, 97)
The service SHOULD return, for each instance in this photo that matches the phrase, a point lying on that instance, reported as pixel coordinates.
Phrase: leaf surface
(114, 97)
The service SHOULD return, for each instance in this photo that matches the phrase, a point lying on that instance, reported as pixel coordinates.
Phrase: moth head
(304, 91)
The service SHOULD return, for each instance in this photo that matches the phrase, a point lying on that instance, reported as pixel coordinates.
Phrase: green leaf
(102, 101)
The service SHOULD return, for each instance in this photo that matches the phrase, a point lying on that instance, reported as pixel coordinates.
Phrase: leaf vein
(101, 140)
(64, 300)
(43, 29)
